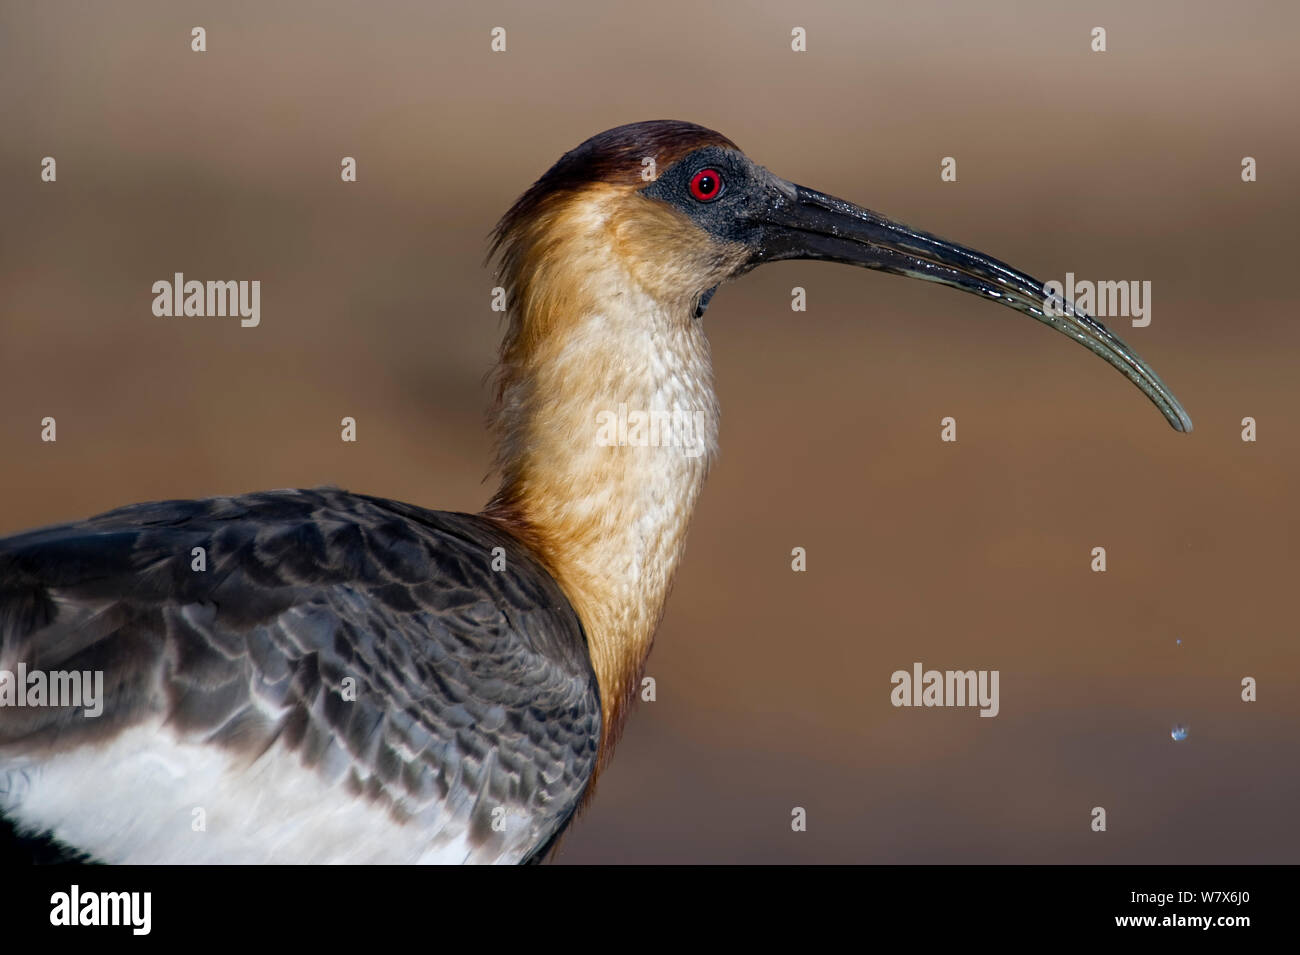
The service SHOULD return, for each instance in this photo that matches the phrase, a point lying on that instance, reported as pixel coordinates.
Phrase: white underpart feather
(132, 799)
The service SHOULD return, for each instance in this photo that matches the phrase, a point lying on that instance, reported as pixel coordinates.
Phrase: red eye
(706, 184)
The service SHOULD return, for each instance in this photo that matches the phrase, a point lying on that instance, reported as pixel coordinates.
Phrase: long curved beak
(802, 223)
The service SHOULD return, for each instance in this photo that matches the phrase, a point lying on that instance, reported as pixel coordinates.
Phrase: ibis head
(690, 211)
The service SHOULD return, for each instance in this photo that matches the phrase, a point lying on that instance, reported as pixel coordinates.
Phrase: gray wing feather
(372, 638)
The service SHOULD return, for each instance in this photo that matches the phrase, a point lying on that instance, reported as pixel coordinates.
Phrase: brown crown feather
(612, 157)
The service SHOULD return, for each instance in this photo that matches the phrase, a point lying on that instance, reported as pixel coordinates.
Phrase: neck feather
(607, 424)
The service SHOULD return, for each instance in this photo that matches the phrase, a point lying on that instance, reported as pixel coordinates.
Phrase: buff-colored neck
(607, 424)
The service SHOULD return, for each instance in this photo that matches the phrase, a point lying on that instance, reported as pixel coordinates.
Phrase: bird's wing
(291, 676)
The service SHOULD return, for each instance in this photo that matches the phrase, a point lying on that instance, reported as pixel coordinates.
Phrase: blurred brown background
(773, 687)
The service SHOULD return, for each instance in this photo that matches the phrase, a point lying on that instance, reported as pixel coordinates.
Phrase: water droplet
(1179, 733)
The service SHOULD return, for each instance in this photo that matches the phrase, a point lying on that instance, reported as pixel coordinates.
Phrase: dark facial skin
(741, 206)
